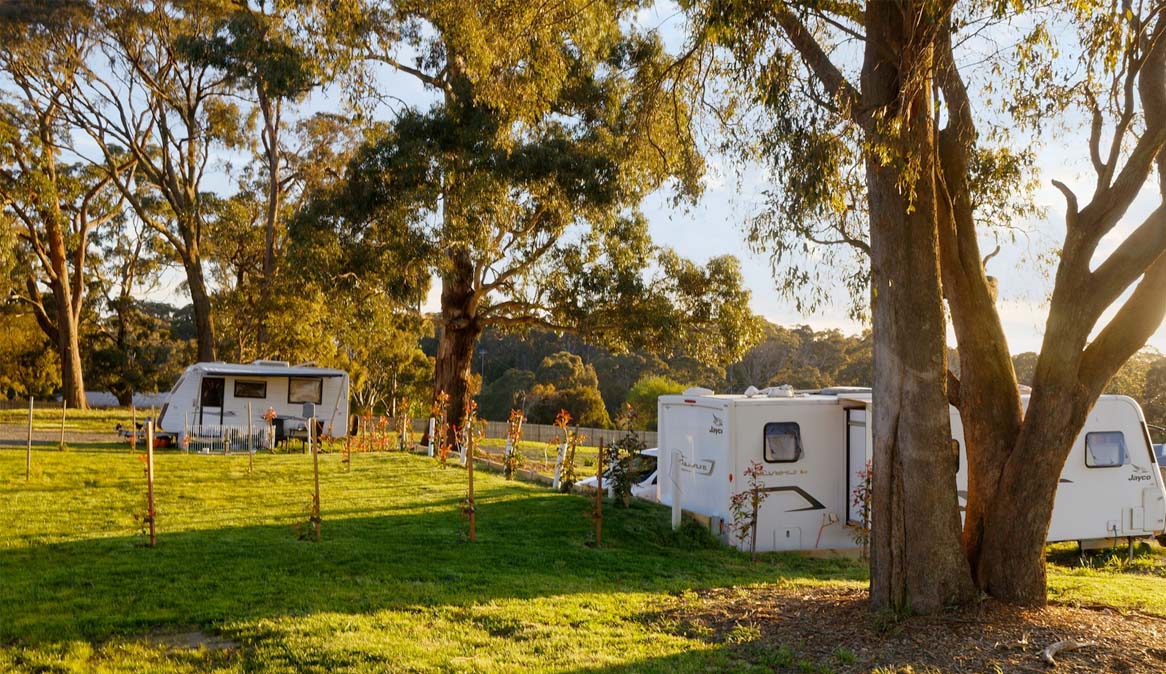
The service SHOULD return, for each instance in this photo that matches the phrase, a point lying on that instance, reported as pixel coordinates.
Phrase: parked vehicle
(815, 447)
(644, 476)
(211, 400)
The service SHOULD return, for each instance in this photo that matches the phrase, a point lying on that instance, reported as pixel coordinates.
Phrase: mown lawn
(392, 587)
(48, 418)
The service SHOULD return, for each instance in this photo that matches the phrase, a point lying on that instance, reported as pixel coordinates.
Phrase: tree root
(1052, 649)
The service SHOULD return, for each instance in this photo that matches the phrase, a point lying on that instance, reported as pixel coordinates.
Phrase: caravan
(229, 400)
(815, 447)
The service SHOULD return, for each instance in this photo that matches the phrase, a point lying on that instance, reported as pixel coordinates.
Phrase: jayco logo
(1140, 474)
(718, 426)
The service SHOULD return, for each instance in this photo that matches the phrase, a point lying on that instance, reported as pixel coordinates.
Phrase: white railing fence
(216, 439)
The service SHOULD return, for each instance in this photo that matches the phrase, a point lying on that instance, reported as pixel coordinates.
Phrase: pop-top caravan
(214, 400)
(814, 447)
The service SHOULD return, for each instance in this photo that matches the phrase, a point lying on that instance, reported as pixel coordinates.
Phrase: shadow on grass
(530, 544)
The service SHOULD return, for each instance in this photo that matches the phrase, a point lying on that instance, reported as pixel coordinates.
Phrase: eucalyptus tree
(885, 154)
(58, 204)
(519, 186)
(275, 56)
(141, 96)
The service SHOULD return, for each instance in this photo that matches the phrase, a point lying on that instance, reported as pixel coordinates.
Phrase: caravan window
(304, 390)
(783, 442)
(1106, 449)
(251, 389)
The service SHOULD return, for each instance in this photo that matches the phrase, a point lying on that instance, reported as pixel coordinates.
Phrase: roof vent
(271, 363)
(698, 391)
(751, 391)
(783, 391)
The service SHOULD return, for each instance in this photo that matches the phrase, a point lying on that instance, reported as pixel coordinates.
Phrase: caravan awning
(269, 371)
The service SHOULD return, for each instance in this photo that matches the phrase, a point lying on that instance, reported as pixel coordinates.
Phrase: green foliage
(1025, 366)
(803, 358)
(505, 393)
(643, 395)
(565, 370)
(584, 404)
(625, 458)
(563, 382)
(136, 350)
(1153, 398)
(28, 363)
(1131, 379)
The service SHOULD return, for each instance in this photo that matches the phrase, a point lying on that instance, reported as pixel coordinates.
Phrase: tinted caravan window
(783, 442)
(1105, 449)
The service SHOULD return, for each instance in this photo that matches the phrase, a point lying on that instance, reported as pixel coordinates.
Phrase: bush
(642, 397)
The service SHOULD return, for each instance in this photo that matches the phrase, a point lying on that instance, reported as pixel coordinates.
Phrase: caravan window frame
(291, 386)
(799, 449)
(1123, 459)
(241, 393)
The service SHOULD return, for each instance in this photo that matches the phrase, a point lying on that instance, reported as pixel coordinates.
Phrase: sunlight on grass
(393, 585)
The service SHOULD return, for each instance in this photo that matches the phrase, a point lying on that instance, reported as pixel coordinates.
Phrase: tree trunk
(69, 348)
(460, 331)
(271, 113)
(201, 301)
(917, 563)
(67, 325)
(1016, 523)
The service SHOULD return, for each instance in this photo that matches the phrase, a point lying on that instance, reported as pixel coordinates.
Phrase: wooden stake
(64, 407)
(316, 476)
(150, 513)
(28, 450)
(599, 497)
(470, 477)
(133, 427)
(753, 532)
(250, 442)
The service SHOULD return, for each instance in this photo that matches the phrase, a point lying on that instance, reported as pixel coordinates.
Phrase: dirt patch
(833, 630)
(192, 641)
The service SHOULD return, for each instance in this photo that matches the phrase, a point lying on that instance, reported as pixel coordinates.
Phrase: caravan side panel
(1122, 496)
(807, 501)
(696, 433)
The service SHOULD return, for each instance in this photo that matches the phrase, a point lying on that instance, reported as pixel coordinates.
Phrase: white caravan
(813, 447)
(211, 399)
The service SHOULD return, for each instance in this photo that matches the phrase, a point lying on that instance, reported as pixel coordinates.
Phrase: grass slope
(393, 585)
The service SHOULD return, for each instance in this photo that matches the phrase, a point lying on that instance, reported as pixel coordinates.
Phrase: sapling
(512, 458)
(623, 457)
(745, 506)
(860, 498)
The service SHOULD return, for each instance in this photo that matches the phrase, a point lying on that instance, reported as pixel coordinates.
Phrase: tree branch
(819, 63)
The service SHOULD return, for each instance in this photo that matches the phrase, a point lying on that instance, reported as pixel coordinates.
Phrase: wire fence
(548, 432)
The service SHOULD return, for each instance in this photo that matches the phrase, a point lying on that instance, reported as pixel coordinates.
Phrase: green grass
(393, 585)
(46, 418)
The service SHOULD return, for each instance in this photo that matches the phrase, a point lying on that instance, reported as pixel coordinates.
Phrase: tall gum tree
(142, 96)
(59, 205)
(1115, 74)
(523, 179)
(1016, 456)
(857, 153)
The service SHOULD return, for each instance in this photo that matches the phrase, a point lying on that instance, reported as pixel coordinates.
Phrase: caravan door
(857, 453)
(210, 400)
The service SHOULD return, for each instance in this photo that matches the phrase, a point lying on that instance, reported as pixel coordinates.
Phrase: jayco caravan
(213, 400)
(814, 448)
